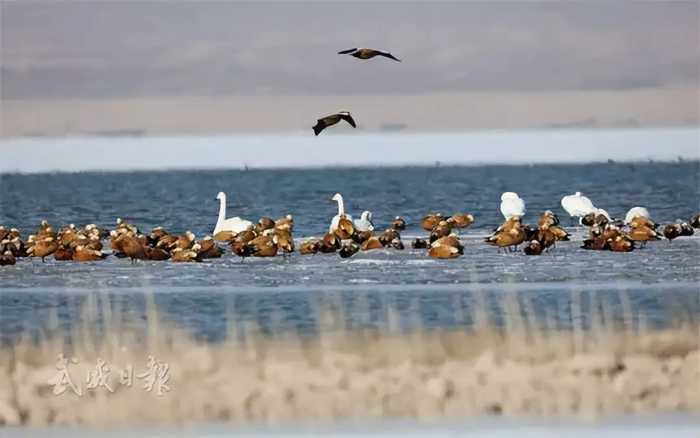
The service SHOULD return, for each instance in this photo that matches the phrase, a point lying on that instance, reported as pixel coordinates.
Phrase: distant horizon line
(137, 134)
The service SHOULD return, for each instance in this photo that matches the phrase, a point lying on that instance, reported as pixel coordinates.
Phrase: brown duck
(263, 246)
(44, 247)
(265, 223)
(361, 236)
(460, 220)
(132, 247)
(311, 246)
(7, 258)
(442, 229)
(643, 234)
(671, 231)
(63, 253)
(695, 221)
(208, 249)
(345, 228)
(443, 252)
(372, 243)
(180, 255)
(348, 249)
(533, 248)
(388, 236)
(449, 240)
(511, 233)
(430, 220)
(330, 243)
(620, 244)
(155, 253)
(398, 223)
(84, 254)
(285, 223)
(285, 241)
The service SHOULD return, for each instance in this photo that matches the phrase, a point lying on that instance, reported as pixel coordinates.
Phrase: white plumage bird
(234, 224)
(636, 212)
(341, 213)
(364, 223)
(512, 205)
(578, 205)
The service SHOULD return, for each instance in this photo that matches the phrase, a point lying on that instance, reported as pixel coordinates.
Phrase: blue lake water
(660, 281)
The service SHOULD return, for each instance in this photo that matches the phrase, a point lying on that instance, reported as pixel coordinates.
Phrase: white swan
(636, 212)
(234, 224)
(364, 223)
(512, 205)
(578, 205)
(341, 213)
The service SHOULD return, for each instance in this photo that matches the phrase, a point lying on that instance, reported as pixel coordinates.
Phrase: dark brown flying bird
(367, 53)
(331, 120)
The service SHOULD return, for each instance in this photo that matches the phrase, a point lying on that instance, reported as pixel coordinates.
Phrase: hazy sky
(101, 49)
(88, 66)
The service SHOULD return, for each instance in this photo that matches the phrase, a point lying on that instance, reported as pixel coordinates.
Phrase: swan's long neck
(222, 211)
(341, 206)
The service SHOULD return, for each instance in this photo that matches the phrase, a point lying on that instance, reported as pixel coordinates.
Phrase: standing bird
(341, 214)
(510, 234)
(367, 53)
(331, 120)
(577, 205)
(44, 247)
(512, 205)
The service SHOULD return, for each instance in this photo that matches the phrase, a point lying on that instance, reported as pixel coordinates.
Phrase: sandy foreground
(350, 376)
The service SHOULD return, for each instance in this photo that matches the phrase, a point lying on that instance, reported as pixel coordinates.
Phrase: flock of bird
(269, 237)
(347, 236)
(332, 119)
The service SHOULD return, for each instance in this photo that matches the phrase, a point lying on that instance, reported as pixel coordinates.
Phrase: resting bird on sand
(331, 120)
(367, 53)
(335, 222)
(364, 223)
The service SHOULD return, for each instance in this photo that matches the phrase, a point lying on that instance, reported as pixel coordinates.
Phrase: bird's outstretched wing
(348, 118)
(345, 52)
(319, 126)
(389, 55)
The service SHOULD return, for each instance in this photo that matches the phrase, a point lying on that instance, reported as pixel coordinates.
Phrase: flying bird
(331, 120)
(367, 53)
